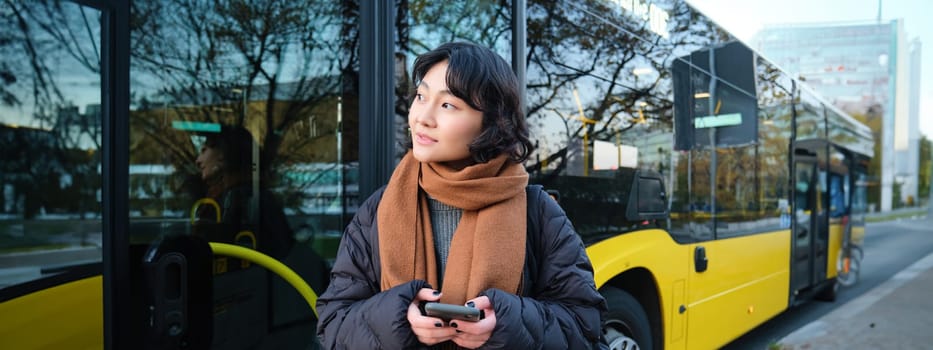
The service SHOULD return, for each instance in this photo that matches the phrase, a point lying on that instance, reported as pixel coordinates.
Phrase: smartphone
(449, 312)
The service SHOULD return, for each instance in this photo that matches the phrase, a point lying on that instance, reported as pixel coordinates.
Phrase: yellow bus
(713, 190)
(708, 212)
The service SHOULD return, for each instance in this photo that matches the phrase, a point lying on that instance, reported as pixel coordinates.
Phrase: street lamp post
(242, 93)
(586, 126)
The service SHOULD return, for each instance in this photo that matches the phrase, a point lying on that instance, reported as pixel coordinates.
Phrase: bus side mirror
(647, 199)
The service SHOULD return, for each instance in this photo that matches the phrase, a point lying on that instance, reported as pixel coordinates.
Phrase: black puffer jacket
(559, 307)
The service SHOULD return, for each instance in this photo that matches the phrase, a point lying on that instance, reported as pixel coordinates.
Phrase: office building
(869, 70)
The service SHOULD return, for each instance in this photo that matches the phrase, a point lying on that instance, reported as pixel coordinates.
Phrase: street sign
(712, 121)
(195, 126)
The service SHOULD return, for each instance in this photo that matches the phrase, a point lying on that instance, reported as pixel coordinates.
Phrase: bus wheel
(625, 326)
(830, 292)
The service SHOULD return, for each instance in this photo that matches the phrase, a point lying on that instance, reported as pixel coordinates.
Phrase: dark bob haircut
(482, 79)
(236, 144)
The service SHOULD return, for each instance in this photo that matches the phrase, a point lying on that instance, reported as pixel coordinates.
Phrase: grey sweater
(444, 221)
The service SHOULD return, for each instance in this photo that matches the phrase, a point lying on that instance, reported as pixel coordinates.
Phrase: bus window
(802, 199)
(50, 134)
(51, 188)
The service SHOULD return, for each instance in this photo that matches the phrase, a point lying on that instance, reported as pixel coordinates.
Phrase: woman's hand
(429, 330)
(472, 335)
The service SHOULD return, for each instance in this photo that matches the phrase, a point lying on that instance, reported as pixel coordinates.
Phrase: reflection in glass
(599, 74)
(50, 134)
(810, 117)
(243, 126)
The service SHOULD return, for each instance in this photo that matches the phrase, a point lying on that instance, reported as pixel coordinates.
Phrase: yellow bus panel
(665, 259)
(67, 316)
(834, 246)
(745, 284)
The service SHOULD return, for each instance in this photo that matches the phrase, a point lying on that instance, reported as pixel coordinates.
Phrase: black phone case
(449, 312)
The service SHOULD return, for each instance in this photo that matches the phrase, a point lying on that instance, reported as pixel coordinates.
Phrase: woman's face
(442, 125)
(210, 161)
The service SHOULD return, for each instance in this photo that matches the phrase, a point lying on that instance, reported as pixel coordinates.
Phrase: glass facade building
(869, 71)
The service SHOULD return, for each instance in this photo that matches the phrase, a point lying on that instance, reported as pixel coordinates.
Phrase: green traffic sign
(195, 126)
(712, 121)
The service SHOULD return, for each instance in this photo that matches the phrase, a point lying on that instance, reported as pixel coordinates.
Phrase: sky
(743, 18)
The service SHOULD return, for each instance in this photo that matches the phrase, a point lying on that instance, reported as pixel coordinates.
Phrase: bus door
(804, 243)
(244, 153)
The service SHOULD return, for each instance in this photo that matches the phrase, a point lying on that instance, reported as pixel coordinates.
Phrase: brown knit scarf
(488, 247)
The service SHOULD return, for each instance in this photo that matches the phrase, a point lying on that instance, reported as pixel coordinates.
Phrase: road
(889, 248)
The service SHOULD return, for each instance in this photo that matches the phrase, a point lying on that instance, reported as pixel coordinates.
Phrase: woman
(456, 224)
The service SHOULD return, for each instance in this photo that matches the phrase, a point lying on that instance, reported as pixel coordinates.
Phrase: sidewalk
(894, 315)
